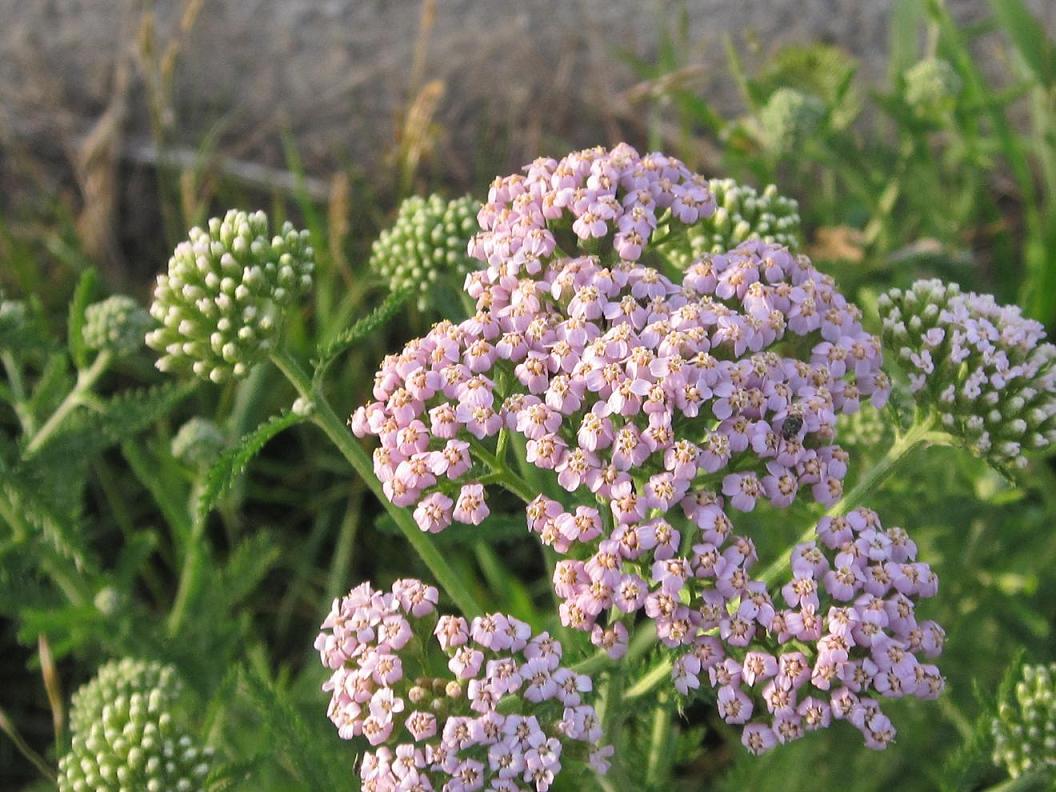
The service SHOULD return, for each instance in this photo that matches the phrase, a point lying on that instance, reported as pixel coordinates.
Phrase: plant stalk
(86, 380)
(326, 419)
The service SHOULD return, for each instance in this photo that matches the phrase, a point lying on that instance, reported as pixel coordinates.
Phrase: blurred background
(918, 137)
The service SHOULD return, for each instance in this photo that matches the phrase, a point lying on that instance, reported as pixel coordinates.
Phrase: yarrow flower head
(656, 405)
(789, 118)
(221, 303)
(1025, 727)
(931, 87)
(435, 728)
(742, 213)
(984, 368)
(115, 325)
(198, 443)
(426, 247)
(125, 735)
(843, 636)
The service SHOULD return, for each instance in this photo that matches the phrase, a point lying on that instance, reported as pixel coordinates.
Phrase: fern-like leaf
(233, 461)
(360, 330)
(295, 745)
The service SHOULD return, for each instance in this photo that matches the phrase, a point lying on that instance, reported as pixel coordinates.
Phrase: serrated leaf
(360, 330)
(233, 461)
(82, 296)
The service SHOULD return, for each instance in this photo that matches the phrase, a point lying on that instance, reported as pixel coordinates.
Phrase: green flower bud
(135, 745)
(116, 679)
(198, 443)
(789, 118)
(116, 325)
(1024, 730)
(427, 246)
(984, 370)
(742, 214)
(221, 305)
(932, 87)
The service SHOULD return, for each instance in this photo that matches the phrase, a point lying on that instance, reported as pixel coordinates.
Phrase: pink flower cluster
(648, 408)
(448, 732)
(613, 200)
(850, 611)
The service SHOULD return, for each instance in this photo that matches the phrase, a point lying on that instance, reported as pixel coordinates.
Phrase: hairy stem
(326, 419)
(86, 380)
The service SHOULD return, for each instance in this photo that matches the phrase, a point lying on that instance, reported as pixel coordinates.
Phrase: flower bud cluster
(931, 87)
(427, 245)
(221, 303)
(125, 737)
(788, 119)
(198, 443)
(742, 213)
(984, 368)
(1025, 728)
(503, 714)
(116, 325)
(846, 636)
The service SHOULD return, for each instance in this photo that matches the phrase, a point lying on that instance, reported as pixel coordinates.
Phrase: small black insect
(790, 428)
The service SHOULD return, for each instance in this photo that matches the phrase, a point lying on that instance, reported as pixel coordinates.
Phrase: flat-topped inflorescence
(426, 246)
(116, 325)
(502, 713)
(126, 737)
(221, 303)
(984, 368)
(742, 214)
(640, 398)
(1025, 727)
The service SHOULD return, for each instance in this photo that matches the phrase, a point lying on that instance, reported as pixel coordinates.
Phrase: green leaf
(293, 742)
(1028, 36)
(82, 296)
(360, 330)
(59, 530)
(233, 462)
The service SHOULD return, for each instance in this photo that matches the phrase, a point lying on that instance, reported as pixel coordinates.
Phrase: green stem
(653, 677)
(86, 380)
(502, 474)
(326, 419)
(660, 738)
(34, 758)
(193, 559)
(18, 392)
